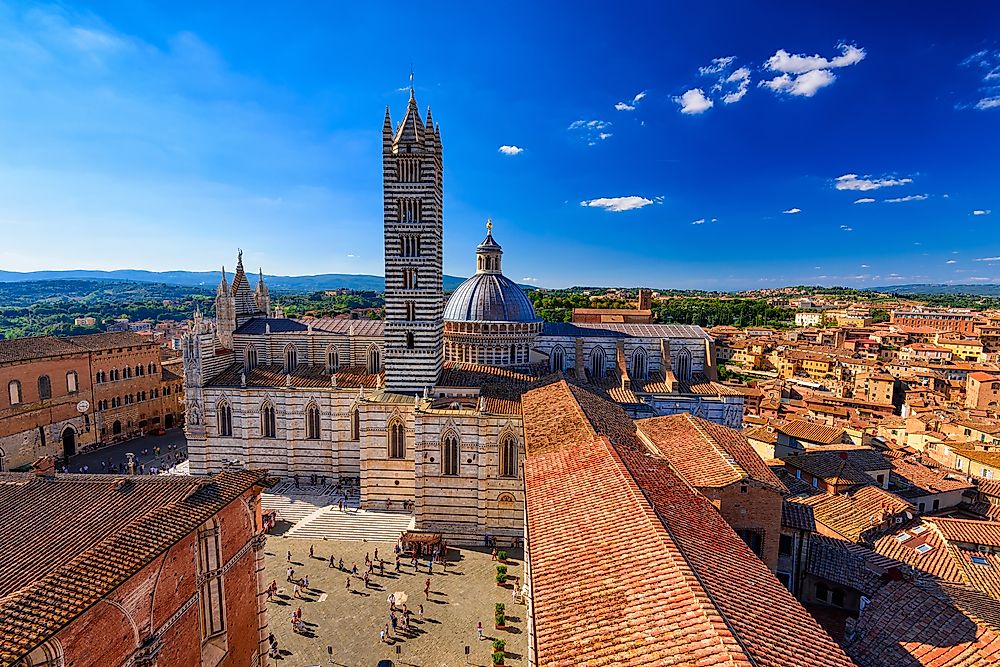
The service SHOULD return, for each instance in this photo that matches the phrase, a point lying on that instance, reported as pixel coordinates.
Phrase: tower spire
(412, 96)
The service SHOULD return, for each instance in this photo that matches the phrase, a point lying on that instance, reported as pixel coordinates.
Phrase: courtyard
(350, 619)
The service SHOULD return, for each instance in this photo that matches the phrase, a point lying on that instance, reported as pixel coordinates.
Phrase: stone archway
(116, 428)
(168, 421)
(69, 442)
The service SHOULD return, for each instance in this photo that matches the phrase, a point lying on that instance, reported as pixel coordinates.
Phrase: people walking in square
(289, 555)
(479, 629)
(427, 589)
(397, 563)
(296, 591)
(366, 580)
(288, 573)
(332, 564)
(348, 586)
(354, 569)
(311, 551)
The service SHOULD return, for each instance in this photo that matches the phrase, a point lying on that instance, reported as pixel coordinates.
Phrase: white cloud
(865, 266)
(351, 255)
(741, 77)
(510, 150)
(988, 103)
(630, 106)
(951, 261)
(699, 221)
(846, 228)
(981, 211)
(529, 279)
(988, 259)
(899, 200)
(694, 101)
(718, 64)
(617, 204)
(864, 200)
(866, 183)
(804, 75)
(792, 211)
(790, 63)
(803, 85)
(592, 130)
(638, 97)
(989, 63)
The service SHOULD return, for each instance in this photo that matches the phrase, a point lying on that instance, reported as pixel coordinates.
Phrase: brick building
(961, 321)
(62, 394)
(102, 571)
(982, 391)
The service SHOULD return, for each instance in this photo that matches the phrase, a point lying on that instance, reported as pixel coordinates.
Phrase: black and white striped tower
(414, 298)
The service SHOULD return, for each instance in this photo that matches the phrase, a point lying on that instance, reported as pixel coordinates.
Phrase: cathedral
(425, 405)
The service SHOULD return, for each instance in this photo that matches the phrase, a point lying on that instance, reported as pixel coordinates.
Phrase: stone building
(151, 570)
(63, 394)
(423, 406)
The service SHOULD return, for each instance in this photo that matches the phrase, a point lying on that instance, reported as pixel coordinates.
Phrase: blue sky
(702, 145)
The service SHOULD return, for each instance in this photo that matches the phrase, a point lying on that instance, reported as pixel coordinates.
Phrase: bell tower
(414, 296)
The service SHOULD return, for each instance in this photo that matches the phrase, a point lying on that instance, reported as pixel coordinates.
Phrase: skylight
(979, 560)
(903, 536)
(919, 529)
(923, 548)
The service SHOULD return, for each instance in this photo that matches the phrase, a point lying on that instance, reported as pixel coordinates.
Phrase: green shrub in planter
(500, 620)
(498, 658)
(499, 645)
(500, 608)
(502, 555)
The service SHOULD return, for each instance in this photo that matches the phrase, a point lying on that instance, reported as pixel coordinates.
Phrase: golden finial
(489, 225)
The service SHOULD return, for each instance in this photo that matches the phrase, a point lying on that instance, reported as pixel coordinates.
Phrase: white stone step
(354, 524)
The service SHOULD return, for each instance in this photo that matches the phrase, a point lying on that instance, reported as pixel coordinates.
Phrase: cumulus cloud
(866, 183)
(792, 211)
(899, 200)
(864, 200)
(699, 221)
(988, 63)
(510, 150)
(804, 75)
(846, 228)
(694, 101)
(630, 106)
(717, 65)
(617, 204)
(741, 78)
(981, 211)
(591, 130)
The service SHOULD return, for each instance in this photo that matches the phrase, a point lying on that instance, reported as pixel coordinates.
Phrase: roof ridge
(729, 458)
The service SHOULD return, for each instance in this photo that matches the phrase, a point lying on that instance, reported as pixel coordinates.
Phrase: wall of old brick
(758, 509)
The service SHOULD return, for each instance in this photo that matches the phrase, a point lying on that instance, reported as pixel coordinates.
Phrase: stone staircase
(354, 524)
(293, 509)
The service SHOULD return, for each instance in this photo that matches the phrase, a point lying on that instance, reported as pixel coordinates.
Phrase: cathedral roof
(489, 297)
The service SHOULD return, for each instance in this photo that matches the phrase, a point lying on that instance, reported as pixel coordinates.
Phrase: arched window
(225, 414)
(683, 370)
(210, 596)
(355, 424)
(409, 340)
(374, 360)
(638, 370)
(14, 392)
(72, 382)
(397, 439)
(597, 363)
(44, 388)
(152, 368)
(291, 358)
(332, 359)
(49, 654)
(450, 451)
(126, 372)
(138, 371)
(251, 360)
(267, 429)
(312, 423)
(558, 359)
(508, 456)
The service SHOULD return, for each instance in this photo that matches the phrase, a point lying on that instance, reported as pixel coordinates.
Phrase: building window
(410, 280)
(152, 368)
(251, 361)
(411, 310)
(332, 360)
(267, 429)
(312, 423)
(397, 440)
(508, 456)
(754, 540)
(225, 413)
(638, 371)
(374, 360)
(683, 370)
(126, 372)
(597, 363)
(14, 392)
(558, 359)
(355, 424)
(450, 451)
(409, 340)
(291, 358)
(139, 372)
(44, 388)
(785, 544)
(211, 598)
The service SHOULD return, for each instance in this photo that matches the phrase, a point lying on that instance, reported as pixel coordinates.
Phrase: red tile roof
(969, 531)
(706, 454)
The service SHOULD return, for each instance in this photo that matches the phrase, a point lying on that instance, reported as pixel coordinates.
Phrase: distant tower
(225, 313)
(414, 299)
(243, 296)
(261, 295)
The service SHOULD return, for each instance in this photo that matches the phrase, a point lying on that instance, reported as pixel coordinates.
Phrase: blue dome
(489, 297)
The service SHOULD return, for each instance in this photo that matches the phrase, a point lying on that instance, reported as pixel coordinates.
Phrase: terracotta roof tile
(857, 514)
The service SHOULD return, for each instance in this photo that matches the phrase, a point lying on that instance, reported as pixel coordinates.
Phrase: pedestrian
(288, 574)
(367, 559)
(296, 478)
(430, 566)
(479, 629)
(393, 620)
(381, 568)
(340, 564)
(272, 645)
(427, 589)
(421, 611)
(354, 569)
(376, 553)
(366, 580)
(311, 551)
(305, 583)
(289, 555)
(348, 586)
(381, 636)
(331, 560)
(493, 555)
(397, 563)
(296, 591)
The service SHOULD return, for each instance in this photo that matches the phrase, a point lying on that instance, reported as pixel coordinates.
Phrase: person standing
(479, 629)
(427, 589)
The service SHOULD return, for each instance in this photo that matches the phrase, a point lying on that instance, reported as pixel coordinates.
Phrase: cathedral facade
(423, 406)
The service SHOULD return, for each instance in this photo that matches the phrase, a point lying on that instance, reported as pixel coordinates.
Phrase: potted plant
(502, 556)
(501, 575)
(500, 616)
(498, 652)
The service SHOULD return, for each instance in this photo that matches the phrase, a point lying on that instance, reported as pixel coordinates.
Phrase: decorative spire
(489, 225)
(411, 81)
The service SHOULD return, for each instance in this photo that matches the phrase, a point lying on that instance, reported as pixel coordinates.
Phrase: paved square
(350, 621)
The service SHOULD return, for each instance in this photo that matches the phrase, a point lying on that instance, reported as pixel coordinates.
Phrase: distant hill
(209, 279)
(972, 290)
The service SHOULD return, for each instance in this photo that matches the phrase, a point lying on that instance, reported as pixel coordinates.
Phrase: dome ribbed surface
(489, 297)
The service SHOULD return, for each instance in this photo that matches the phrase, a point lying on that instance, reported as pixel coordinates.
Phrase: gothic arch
(355, 416)
(250, 358)
(374, 358)
(557, 360)
(639, 365)
(332, 358)
(682, 371)
(509, 454)
(451, 453)
(268, 425)
(597, 362)
(49, 654)
(395, 438)
(313, 421)
(224, 417)
(291, 356)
